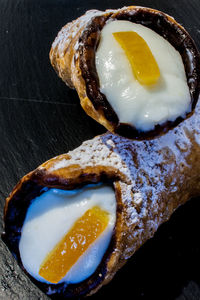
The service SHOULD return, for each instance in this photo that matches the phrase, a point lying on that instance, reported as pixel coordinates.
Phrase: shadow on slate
(40, 118)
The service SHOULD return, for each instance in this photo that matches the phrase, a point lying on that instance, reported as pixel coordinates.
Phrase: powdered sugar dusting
(69, 31)
(147, 167)
(151, 169)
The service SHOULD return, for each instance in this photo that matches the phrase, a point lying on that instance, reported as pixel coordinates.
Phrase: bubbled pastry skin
(73, 57)
(151, 179)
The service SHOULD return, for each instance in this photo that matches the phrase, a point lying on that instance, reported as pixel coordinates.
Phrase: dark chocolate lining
(161, 24)
(14, 219)
(88, 44)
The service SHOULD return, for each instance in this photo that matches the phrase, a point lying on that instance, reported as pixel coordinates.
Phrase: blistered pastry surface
(72, 54)
(61, 54)
(155, 177)
(151, 179)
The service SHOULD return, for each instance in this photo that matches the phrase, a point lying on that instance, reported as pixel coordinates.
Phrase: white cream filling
(142, 106)
(51, 216)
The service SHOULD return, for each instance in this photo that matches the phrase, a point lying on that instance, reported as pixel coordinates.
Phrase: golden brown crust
(151, 179)
(62, 57)
(72, 55)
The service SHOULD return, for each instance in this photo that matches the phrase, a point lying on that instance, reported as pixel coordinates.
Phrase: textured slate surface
(40, 118)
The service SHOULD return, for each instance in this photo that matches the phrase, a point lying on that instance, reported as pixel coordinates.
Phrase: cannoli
(77, 219)
(136, 70)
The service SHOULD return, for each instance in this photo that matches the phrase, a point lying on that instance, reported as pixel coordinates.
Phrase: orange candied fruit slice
(65, 254)
(143, 63)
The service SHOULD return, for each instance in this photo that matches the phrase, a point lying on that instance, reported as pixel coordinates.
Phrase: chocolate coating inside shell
(15, 214)
(164, 26)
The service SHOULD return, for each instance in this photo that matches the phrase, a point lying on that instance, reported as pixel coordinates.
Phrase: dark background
(40, 117)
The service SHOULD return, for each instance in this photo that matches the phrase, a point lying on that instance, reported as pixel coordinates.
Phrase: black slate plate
(40, 118)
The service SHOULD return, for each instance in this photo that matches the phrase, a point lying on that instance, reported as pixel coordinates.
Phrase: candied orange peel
(143, 63)
(77, 240)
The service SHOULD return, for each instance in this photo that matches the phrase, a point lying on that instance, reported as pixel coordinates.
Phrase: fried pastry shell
(151, 179)
(73, 57)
